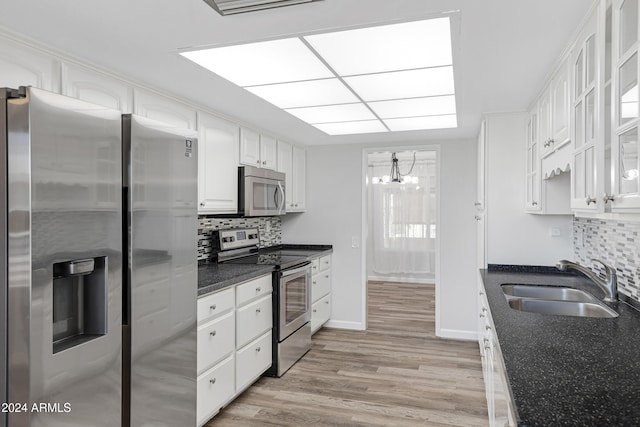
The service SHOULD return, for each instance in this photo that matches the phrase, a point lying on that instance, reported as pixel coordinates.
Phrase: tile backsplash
(614, 242)
(269, 228)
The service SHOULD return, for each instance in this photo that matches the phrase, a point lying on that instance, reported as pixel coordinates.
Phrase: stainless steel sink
(563, 308)
(556, 293)
(555, 300)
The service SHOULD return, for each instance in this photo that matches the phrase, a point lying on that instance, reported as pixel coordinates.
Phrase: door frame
(365, 224)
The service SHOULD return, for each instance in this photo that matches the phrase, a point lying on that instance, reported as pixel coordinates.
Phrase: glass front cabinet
(588, 115)
(625, 176)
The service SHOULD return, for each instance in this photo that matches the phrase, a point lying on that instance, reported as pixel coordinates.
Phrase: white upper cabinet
(22, 66)
(258, 150)
(553, 112)
(625, 195)
(268, 152)
(163, 109)
(299, 194)
(285, 165)
(588, 116)
(532, 166)
(93, 86)
(218, 142)
(249, 147)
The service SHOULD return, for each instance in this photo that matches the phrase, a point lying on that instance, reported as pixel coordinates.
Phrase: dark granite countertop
(213, 277)
(567, 371)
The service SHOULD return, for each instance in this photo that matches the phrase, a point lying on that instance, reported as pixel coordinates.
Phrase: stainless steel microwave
(261, 192)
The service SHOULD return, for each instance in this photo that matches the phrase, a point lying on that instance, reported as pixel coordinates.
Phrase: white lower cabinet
(252, 360)
(215, 387)
(320, 292)
(234, 343)
(499, 401)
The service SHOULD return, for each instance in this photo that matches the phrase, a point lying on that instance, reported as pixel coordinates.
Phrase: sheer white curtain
(402, 221)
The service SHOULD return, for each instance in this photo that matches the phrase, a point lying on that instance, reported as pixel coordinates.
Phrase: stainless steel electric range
(291, 292)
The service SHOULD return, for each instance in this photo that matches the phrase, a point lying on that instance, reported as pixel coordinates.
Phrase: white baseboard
(457, 334)
(339, 324)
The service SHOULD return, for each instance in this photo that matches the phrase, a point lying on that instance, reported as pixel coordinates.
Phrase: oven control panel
(238, 238)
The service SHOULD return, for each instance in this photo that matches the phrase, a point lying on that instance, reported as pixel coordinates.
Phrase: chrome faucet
(610, 283)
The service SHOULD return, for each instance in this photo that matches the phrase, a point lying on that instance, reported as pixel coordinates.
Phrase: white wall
(334, 215)
(513, 236)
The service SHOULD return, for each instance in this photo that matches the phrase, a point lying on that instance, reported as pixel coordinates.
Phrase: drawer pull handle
(212, 333)
(258, 289)
(258, 350)
(258, 310)
(212, 307)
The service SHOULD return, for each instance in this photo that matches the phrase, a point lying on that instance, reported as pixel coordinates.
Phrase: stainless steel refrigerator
(93, 334)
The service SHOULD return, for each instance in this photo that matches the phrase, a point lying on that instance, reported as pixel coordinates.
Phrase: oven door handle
(304, 267)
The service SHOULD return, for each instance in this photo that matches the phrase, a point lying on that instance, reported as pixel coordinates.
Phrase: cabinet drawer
(216, 340)
(252, 360)
(253, 289)
(252, 320)
(320, 285)
(215, 304)
(215, 387)
(315, 265)
(325, 262)
(320, 313)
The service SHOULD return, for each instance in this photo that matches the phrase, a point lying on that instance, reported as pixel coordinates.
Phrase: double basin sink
(555, 300)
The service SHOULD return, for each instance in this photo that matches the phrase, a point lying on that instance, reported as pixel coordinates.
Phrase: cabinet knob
(212, 381)
(212, 307)
(314, 282)
(534, 203)
(258, 289)
(258, 349)
(591, 200)
(326, 276)
(482, 315)
(326, 302)
(488, 328)
(258, 310)
(202, 204)
(608, 198)
(212, 333)
(314, 310)
(477, 204)
(477, 217)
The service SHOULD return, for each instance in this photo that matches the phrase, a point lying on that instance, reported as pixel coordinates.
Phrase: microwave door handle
(280, 205)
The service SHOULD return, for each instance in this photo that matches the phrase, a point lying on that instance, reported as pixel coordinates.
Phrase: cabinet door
(158, 107)
(560, 106)
(320, 313)
(587, 177)
(533, 178)
(22, 66)
(249, 147)
(252, 361)
(253, 320)
(285, 165)
(92, 86)
(215, 387)
(218, 142)
(268, 152)
(544, 123)
(216, 340)
(625, 144)
(299, 179)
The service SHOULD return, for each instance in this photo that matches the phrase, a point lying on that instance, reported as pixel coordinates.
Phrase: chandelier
(395, 176)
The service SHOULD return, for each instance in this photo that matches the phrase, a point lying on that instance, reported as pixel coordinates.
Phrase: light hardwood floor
(397, 373)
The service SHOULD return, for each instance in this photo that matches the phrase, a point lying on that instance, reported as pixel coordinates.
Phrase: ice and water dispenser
(79, 302)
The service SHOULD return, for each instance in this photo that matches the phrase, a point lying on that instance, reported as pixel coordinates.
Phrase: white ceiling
(503, 49)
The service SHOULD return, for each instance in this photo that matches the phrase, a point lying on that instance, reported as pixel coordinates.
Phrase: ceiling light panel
(305, 94)
(403, 46)
(403, 84)
(253, 64)
(434, 105)
(333, 113)
(422, 123)
(345, 128)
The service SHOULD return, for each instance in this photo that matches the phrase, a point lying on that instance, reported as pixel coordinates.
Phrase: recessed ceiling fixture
(385, 78)
(229, 7)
